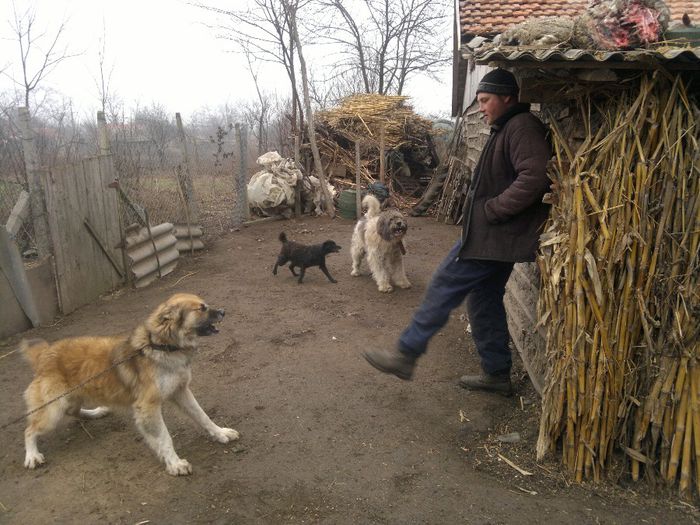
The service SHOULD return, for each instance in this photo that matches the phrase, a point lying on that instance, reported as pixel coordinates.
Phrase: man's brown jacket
(503, 212)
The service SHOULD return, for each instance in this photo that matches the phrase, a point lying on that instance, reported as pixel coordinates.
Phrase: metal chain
(76, 387)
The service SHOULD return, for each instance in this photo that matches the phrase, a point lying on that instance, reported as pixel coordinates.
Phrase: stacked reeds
(620, 293)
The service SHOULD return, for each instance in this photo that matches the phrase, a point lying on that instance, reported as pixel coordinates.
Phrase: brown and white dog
(378, 236)
(162, 348)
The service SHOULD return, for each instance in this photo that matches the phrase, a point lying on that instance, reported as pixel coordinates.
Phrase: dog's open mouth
(207, 329)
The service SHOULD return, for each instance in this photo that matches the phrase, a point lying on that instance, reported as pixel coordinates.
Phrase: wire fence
(151, 181)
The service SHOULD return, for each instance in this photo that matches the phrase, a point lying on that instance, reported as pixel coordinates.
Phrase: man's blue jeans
(483, 284)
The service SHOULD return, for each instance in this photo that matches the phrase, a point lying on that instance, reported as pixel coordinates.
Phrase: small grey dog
(302, 256)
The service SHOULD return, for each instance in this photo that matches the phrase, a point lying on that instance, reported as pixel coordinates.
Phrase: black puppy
(302, 256)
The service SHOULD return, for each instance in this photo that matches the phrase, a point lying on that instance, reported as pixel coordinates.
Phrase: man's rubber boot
(499, 384)
(392, 362)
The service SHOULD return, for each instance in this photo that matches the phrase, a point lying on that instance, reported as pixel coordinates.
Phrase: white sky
(160, 51)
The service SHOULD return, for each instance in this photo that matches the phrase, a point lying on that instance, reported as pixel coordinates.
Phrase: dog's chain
(76, 387)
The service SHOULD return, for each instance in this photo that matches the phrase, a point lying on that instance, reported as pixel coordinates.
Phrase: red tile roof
(680, 7)
(489, 17)
(485, 17)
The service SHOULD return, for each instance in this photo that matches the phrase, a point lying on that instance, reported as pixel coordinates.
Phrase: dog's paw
(404, 284)
(181, 467)
(34, 460)
(385, 288)
(355, 273)
(224, 435)
(94, 413)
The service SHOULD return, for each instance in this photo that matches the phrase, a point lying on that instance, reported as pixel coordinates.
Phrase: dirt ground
(325, 438)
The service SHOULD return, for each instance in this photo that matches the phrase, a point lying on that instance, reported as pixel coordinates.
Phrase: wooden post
(240, 209)
(102, 136)
(358, 186)
(36, 192)
(185, 177)
(106, 149)
(381, 154)
(297, 164)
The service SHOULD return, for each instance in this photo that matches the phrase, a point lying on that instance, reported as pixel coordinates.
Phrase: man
(503, 217)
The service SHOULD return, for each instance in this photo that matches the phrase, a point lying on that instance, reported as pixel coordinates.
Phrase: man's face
(493, 106)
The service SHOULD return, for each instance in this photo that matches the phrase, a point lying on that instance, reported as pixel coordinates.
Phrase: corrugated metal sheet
(672, 56)
(188, 239)
(153, 254)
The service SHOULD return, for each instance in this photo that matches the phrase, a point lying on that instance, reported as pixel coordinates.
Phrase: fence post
(240, 210)
(185, 177)
(297, 188)
(36, 192)
(382, 169)
(102, 136)
(358, 186)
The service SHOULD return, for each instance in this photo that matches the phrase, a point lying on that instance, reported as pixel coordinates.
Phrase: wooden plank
(90, 250)
(110, 211)
(54, 207)
(79, 280)
(86, 250)
(101, 223)
(97, 220)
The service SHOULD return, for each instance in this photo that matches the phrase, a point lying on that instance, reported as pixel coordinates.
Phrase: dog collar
(163, 348)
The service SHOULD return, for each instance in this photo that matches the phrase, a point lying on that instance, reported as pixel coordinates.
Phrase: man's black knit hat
(498, 82)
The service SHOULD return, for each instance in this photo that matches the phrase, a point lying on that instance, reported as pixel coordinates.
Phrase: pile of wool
(605, 24)
(622, 24)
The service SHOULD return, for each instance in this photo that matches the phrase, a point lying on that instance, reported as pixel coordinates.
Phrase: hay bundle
(622, 294)
(376, 122)
(362, 117)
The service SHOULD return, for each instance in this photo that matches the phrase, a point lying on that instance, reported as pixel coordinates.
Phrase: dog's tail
(372, 204)
(283, 237)
(35, 352)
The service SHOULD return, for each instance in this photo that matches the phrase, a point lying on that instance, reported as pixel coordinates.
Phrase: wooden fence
(84, 225)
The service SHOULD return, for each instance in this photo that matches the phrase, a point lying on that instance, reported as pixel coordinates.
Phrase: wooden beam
(102, 246)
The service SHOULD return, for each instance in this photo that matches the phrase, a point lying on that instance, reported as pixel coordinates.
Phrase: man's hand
(553, 196)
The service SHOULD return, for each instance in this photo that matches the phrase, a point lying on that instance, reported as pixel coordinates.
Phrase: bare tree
(157, 128)
(292, 9)
(264, 30)
(104, 79)
(11, 156)
(258, 113)
(385, 42)
(37, 60)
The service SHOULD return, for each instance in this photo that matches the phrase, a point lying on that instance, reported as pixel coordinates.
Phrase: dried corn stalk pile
(622, 294)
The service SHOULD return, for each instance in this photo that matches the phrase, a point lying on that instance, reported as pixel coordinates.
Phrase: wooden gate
(84, 225)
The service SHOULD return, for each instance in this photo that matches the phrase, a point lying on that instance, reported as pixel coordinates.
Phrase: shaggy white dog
(379, 236)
